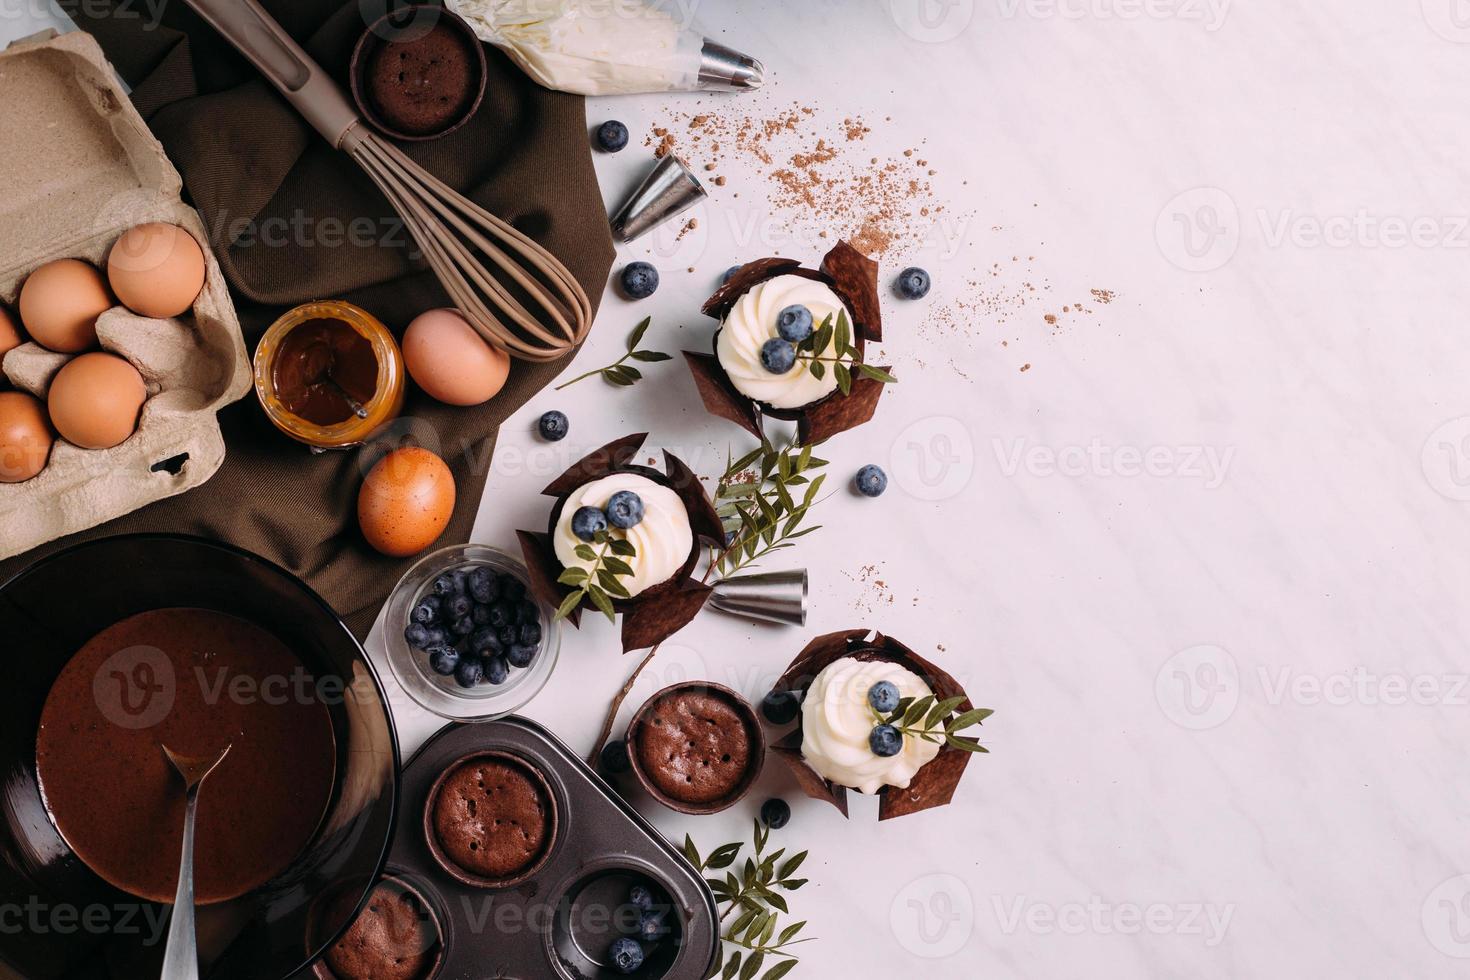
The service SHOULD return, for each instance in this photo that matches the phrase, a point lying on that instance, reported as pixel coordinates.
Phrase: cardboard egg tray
(81, 168)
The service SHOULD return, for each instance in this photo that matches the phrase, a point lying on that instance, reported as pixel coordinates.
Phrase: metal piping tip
(722, 67)
(669, 189)
(774, 597)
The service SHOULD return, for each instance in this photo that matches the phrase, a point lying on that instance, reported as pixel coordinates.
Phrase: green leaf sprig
(600, 580)
(935, 721)
(752, 907)
(763, 498)
(625, 375)
(838, 339)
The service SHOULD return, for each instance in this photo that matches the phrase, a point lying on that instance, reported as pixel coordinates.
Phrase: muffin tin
(559, 921)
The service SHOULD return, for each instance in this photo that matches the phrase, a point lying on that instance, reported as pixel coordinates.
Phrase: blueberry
(612, 136)
(417, 635)
(458, 607)
(528, 612)
(427, 610)
(640, 898)
(484, 639)
(512, 589)
(777, 355)
(436, 636)
(470, 672)
(522, 654)
(625, 954)
(497, 669)
(484, 586)
(615, 757)
(794, 323)
(639, 279)
(871, 481)
(781, 707)
(507, 635)
(885, 740)
(553, 426)
(729, 274)
(446, 584)
(913, 283)
(481, 614)
(729, 538)
(443, 659)
(651, 926)
(587, 521)
(625, 509)
(529, 634)
(462, 627)
(776, 813)
(502, 614)
(883, 696)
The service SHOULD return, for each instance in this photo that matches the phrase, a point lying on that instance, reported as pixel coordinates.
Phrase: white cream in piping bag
(662, 539)
(593, 47)
(752, 321)
(836, 721)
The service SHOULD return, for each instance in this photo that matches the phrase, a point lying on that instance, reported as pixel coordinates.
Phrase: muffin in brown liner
(934, 784)
(490, 820)
(396, 936)
(659, 612)
(696, 747)
(854, 278)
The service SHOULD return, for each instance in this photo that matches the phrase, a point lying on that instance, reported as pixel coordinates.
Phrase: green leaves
(598, 582)
(763, 498)
(621, 374)
(844, 357)
(935, 721)
(752, 907)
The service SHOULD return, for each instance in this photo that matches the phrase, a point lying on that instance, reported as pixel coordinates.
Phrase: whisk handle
(269, 48)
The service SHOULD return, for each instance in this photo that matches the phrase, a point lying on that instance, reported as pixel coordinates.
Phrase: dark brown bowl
(464, 876)
(753, 731)
(410, 23)
(324, 972)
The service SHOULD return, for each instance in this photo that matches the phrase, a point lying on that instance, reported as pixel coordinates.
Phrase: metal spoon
(181, 956)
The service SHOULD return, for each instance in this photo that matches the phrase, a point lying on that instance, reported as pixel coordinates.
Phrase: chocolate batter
(192, 679)
(325, 371)
(695, 747)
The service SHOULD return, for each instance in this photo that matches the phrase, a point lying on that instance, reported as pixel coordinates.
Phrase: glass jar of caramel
(329, 374)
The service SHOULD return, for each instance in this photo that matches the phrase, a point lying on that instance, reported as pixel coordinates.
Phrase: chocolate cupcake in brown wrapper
(846, 666)
(491, 820)
(737, 382)
(634, 550)
(396, 936)
(696, 747)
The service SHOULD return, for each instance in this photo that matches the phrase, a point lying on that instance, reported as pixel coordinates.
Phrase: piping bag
(610, 47)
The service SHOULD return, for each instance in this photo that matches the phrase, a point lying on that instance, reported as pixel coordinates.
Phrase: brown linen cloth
(292, 220)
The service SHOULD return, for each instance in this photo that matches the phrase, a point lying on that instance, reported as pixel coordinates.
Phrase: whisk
(449, 229)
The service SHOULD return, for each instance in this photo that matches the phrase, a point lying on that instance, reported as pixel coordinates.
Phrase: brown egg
(405, 502)
(95, 400)
(10, 335)
(156, 270)
(60, 303)
(450, 361)
(25, 436)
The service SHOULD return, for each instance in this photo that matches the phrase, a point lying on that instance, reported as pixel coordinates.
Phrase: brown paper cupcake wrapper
(663, 610)
(854, 278)
(934, 784)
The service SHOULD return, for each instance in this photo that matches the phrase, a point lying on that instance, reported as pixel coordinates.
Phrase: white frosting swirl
(836, 721)
(662, 539)
(752, 321)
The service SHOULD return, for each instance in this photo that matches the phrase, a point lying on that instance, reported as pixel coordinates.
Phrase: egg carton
(81, 168)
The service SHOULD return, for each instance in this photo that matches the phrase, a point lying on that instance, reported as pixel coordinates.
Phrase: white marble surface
(1230, 684)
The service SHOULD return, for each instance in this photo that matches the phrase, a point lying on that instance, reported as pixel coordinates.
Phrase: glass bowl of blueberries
(466, 638)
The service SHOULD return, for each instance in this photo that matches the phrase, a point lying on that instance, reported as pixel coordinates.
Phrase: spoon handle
(181, 956)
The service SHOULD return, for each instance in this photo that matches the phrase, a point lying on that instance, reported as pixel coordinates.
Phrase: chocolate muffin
(423, 85)
(393, 938)
(491, 820)
(697, 745)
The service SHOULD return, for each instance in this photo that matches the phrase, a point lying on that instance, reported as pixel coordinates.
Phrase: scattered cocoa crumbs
(720, 181)
(875, 591)
(1025, 367)
(1103, 295)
